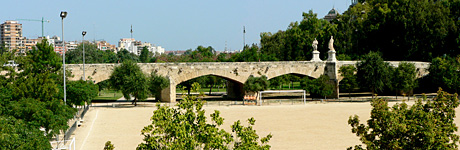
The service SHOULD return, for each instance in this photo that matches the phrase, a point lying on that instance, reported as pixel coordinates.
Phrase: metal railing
(64, 144)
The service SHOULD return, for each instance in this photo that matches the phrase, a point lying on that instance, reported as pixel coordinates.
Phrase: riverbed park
(367, 74)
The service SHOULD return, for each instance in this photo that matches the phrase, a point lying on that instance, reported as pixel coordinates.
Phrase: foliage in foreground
(186, 127)
(422, 126)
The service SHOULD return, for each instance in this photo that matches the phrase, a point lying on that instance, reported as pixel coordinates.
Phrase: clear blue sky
(172, 24)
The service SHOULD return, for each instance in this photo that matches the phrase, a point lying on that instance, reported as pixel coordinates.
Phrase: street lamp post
(83, 41)
(63, 15)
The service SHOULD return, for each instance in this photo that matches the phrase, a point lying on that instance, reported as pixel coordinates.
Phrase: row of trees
(399, 30)
(375, 74)
(94, 55)
(32, 110)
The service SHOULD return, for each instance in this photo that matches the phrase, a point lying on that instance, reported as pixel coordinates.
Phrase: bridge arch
(220, 73)
(310, 71)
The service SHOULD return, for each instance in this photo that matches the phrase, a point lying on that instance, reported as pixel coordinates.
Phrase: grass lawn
(109, 95)
(204, 90)
(294, 86)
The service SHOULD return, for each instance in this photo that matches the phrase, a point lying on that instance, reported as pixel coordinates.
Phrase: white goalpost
(282, 91)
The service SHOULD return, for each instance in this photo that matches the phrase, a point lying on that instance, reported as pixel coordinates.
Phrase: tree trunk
(210, 88)
(135, 99)
(372, 93)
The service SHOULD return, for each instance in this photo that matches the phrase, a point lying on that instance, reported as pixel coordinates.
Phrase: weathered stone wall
(180, 72)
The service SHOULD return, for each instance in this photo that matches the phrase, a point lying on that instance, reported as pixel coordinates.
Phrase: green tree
(124, 55)
(421, 126)
(188, 85)
(34, 92)
(3, 48)
(277, 82)
(349, 81)
(317, 87)
(103, 85)
(186, 127)
(202, 54)
(404, 77)
(130, 80)
(256, 84)
(145, 55)
(373, 72)
(30, 100)
(294, 44)
(415, 30)
(109, 146)
(92, 55)
(444, 72)
(156, 84)
(309, 85)
(81, 92)
(211, 81)
(15, 134)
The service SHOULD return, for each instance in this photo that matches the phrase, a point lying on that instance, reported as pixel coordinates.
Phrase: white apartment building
(136, 47)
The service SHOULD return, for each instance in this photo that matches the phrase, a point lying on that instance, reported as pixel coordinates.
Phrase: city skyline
(177, 25)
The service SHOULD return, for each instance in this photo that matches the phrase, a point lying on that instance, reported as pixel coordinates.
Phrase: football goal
(281, 91)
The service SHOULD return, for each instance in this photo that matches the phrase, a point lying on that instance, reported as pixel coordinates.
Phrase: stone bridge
(236, 73)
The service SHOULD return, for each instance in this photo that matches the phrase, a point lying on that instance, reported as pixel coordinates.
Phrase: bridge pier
(235, 90)
(169, 94)
(332, 72)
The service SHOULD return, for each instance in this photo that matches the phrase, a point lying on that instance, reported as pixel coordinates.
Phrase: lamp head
(63, 14)
(83, 33)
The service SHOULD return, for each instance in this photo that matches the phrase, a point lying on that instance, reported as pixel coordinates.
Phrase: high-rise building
(11, 35)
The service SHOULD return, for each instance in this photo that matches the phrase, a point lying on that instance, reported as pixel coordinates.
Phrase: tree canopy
(349, 81)
(255, 84)
(130, 80)
(30, 99)
(144, 57)
(404, 77)
(92, 55)
(317, 87)
(373, 72)
(186, 127)
(156, 84)
(444, 72)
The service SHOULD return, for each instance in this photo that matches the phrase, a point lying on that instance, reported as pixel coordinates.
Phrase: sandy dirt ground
(310, 126)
